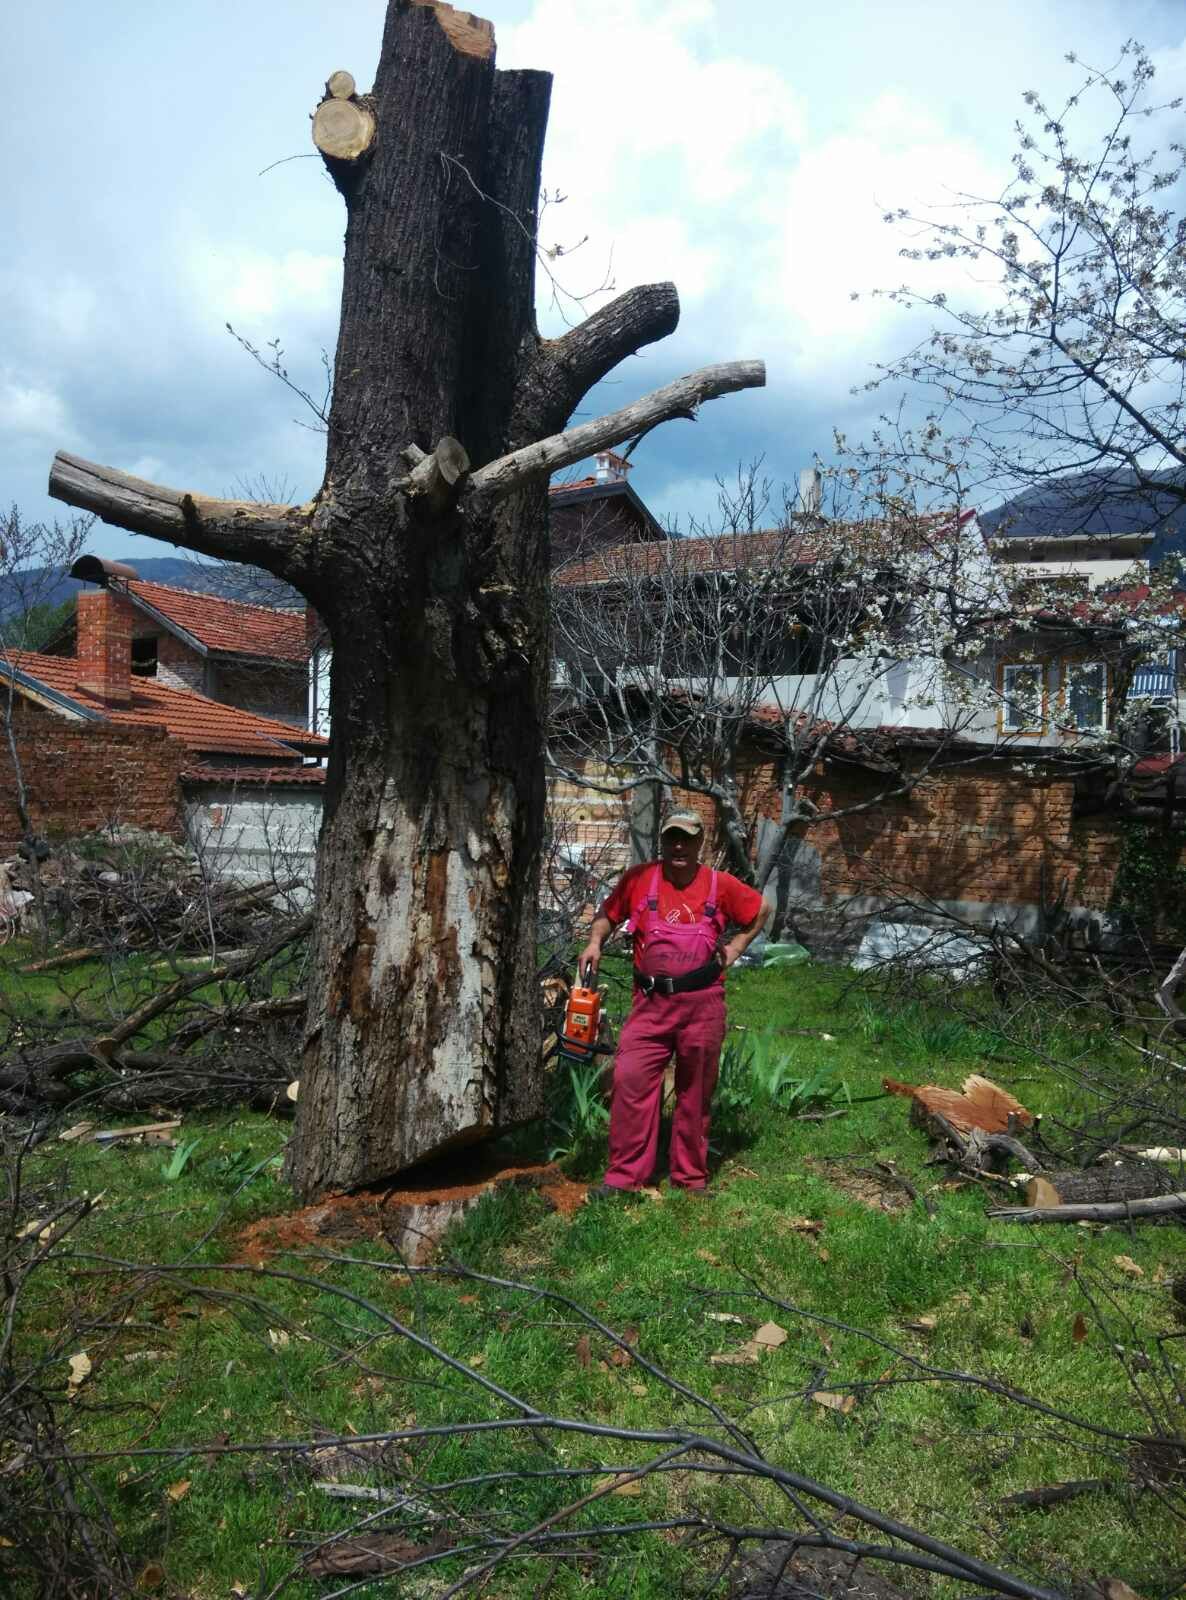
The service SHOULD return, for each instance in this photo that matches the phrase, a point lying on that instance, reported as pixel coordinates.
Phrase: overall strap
(653, 889)
(710, 905)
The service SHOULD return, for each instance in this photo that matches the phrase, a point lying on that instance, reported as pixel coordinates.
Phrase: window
(1023, 698)
(144, 657)
(1086, 686)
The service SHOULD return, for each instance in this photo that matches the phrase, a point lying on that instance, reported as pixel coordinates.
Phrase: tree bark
(422, 1030)
(1130, 1181)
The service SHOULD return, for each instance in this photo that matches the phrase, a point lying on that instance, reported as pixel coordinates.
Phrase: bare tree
(1065, 354)
(425, 553)
(34, 557)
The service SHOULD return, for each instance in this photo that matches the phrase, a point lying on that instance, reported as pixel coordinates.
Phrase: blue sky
(745, 150)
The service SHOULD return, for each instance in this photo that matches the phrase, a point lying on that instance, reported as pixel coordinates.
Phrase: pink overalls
(690, 1026)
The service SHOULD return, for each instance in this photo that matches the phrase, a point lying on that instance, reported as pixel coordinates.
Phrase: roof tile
(229, 626)
(204, 726)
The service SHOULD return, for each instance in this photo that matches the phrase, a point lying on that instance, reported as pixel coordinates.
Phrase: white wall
(253, 831)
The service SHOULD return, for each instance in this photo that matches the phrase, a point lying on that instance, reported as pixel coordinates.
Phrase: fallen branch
(1055, 1494)
(1165, 1205)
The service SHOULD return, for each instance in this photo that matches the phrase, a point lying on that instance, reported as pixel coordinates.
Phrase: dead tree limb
(683, 398)
(1165, 1205)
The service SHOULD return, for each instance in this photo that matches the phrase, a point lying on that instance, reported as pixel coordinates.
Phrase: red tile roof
(229, 626)
(204, 726)
(783, 547)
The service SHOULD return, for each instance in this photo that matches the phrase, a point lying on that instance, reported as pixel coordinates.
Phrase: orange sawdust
(448, 1186)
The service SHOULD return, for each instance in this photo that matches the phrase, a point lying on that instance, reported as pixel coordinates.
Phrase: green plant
(1150, 883)
(758, 1073)
(238, 1168)
(578, 1115)
(173, 1169)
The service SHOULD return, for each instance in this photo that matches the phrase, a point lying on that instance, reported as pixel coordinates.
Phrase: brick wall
(80, 776)
(984, 834)
(178, 667)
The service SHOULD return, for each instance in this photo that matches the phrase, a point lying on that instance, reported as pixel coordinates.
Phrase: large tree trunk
(422, 1031)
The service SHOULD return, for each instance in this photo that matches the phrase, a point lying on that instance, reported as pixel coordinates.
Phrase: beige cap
(683, 822)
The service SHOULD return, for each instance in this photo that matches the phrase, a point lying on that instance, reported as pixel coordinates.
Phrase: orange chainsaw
(578, 1039)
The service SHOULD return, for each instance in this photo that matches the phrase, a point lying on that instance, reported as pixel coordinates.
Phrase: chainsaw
(578, 1039)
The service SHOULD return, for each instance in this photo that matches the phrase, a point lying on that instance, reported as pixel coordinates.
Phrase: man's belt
(681, 983)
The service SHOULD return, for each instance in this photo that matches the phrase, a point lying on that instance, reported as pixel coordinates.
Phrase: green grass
(1005, 1303)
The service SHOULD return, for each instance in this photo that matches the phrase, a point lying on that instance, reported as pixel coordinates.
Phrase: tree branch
(234, 530)
(565, 369)
(679, 399)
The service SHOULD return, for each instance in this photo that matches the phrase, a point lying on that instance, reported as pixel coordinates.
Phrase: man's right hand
(588, 960)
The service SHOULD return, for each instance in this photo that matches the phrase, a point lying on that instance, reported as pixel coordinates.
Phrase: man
(678, 911)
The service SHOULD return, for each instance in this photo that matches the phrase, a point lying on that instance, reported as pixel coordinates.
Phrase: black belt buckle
(651, 984)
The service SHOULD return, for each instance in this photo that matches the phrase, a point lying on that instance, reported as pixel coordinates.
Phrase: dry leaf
(179, 1490)
(582, 1352)
(637, 1388)
(1127, 1264)
(926, 1324)
(620, 1358)
(146, 1355)
(802, 1224)
(278, 1337)
(823, 1255)
(1079, 1329)
(724, 1316)
(770, 1335)
(80, 1370)
(835, 1402)
(476, 1361)
(707, 1255)
(467, 1299)
(152, 1576)
(652, 1194)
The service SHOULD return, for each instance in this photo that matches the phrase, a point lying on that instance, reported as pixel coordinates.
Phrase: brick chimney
(104, 647)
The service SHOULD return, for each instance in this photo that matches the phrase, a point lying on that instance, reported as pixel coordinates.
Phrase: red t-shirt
(737, 903)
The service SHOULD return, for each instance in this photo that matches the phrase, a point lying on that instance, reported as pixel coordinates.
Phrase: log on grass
(1165, 1205)
(1127, 1180)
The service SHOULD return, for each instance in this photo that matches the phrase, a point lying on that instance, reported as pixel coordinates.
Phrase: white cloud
(245, 283)
(659, 137)
(32, 412)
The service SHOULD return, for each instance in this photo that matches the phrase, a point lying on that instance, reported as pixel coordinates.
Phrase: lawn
(810, 1225)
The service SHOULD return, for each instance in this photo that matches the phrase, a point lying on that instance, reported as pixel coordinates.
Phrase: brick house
(251, 656)
(1007, 816)
(97, 743)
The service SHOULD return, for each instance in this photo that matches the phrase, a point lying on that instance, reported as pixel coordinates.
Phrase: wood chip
(78, 1131)
(80, 1370)
(1128, 1265)
(770, 1335)
(179, 1490)
(293, 1090)
(724, 1316)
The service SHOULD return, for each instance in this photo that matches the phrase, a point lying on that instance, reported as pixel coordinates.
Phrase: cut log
(1092, 1185)
(343, 130)
(340, 85)
(1165, 1205)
